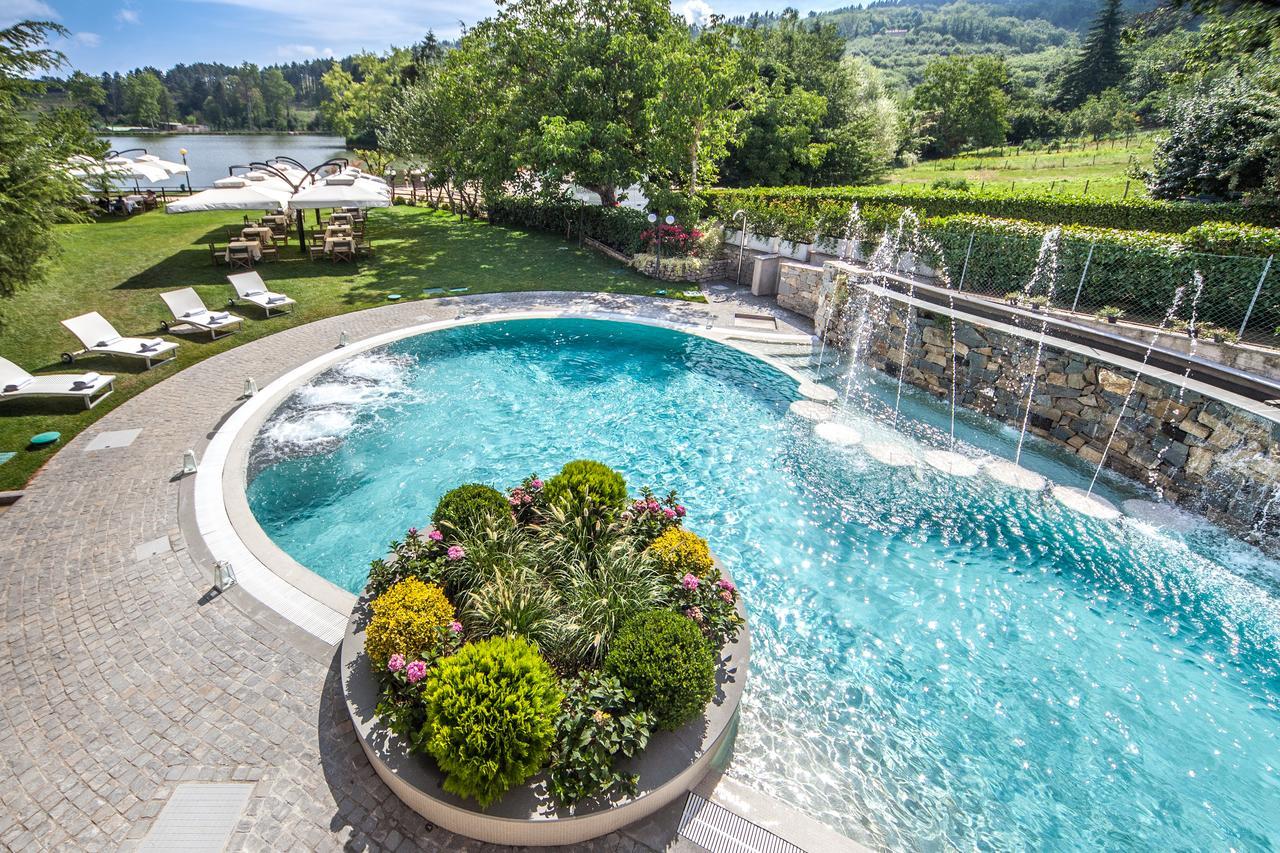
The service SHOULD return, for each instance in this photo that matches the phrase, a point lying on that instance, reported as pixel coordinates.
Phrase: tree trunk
(608, 195)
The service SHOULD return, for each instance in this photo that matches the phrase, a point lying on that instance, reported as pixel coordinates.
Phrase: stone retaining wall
(1202, 453)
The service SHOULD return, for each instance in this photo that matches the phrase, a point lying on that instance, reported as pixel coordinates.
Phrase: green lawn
(119, 267)
(1104, 165)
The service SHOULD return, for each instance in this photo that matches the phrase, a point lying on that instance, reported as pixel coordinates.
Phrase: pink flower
(535, 484)
(669, 513)
(416, 672)
(413, 531)
(435, 536)
(694, 613)
(689, 581)
(455, 627)
(455, 552)
(726, 596)
(395, 663)
(653, 506)
(680, 511)
(726, 585)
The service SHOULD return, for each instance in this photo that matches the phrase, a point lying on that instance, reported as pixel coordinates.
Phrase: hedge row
(797, 208)
(619, 227)
(1138, 271)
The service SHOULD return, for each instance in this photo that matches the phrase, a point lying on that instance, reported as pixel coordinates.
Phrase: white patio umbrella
(136, 170)
(233, 194)
(168, 165)
(342, 190)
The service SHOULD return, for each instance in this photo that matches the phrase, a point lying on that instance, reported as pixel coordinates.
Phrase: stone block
(1113, 382)
(1199, 461)
(1089, 453)
(1169, 410)
(1194, 427)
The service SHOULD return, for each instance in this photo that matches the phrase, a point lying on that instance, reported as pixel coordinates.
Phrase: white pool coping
(262, 568)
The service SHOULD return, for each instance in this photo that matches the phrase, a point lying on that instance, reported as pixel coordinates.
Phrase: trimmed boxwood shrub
(491, 712)
(585, 486)
(618, 227)
(664, 660)
(470, 509)
(679, 551)
(1033, 206)
(407, 620)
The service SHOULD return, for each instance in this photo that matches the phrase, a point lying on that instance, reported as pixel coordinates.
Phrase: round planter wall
(673, 763)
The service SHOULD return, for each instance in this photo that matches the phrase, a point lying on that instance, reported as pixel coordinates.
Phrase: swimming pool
(937, 662)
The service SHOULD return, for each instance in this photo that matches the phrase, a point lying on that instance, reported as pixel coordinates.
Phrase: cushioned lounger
(16, 383)
(187, 308)
(99, 337)
(251, 288)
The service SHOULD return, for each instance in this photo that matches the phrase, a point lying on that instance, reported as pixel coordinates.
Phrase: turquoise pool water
(937, 663)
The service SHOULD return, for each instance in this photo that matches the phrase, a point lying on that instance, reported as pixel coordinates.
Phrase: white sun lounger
(100, 338)
(16, 382)
(187, 308)
(251, 288)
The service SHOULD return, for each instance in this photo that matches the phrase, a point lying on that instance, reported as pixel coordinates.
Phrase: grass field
(119, 267)
(1104, 166)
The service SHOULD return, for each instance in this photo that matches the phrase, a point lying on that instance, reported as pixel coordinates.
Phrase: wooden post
(1126, 190)
(1086, 186)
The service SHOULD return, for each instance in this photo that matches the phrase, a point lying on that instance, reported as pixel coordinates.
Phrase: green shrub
(600, 720)
(664, 660)
(491, 712)
(587, 487)
(618, 227)
(788, 210)
(471, 508)
(407, 620)
(1228, 238)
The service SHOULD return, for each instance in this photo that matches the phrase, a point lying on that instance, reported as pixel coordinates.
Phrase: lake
(209, 154)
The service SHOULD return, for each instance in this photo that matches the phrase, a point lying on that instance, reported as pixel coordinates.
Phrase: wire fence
(1240, 296)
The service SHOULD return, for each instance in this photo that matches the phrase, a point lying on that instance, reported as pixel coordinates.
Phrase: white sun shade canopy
(168, 165)
(234, 194)
(342, 190)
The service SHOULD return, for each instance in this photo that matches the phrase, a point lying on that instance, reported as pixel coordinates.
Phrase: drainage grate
(721, 831)
(200, 816)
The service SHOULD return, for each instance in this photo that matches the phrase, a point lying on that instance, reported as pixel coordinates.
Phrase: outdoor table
(259, 234)
(337, 231)
(340, 218)
(330, 243)
(254, 247)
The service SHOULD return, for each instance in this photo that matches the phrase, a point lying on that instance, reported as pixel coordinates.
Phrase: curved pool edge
(229, 529)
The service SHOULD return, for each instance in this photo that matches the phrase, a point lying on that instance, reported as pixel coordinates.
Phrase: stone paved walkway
(121, 677)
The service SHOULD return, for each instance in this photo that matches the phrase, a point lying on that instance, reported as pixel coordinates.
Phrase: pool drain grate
(721, 831)
(200, 816)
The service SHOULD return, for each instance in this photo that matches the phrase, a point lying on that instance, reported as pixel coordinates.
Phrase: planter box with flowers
(549, 665)
(688, 254)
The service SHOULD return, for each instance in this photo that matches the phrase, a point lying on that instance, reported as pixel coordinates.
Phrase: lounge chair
(99, 337)
(16, 382)
(187, 308)
(251, 288)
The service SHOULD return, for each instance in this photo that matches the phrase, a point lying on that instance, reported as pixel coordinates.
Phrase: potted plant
(1110, 313)
(1221, 335)
(1013, 297)
(1039, 303)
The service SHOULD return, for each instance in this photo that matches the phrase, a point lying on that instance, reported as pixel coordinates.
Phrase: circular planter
(672, 764)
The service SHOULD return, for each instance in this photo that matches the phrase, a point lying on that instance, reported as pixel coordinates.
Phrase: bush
(408, 620)
(618, 227)
(417, 556)
(491, 712)
(798, 213)
(587, 487)
(470, 509)
(664, 660)
(679, 552)
(600, 721)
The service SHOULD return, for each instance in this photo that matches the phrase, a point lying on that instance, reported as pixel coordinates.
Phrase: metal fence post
(965, 270)
(1266, 268)
(1083, 273)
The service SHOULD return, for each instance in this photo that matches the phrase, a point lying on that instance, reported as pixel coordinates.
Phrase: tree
(36, 192)
(1222, 141)
(1105, 114)
(276, 96)
(1100, 64)
(964, 103)
(144, 98)
(359, 97)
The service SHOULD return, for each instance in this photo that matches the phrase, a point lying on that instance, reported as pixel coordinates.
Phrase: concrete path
(121, 676)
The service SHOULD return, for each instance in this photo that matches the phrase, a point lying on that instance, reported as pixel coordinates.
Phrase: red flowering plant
(675, 239)
(711, 603)
(649, 515)
(527, 500)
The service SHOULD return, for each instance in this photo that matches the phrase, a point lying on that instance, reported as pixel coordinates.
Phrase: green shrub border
(617, 227)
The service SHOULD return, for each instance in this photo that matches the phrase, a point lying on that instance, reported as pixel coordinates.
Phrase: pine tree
(1100, 65)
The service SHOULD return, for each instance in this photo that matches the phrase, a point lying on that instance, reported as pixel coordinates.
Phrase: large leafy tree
(359, 96)
(36, 193)
(963, 102)
(145, 100)
(1100, 65)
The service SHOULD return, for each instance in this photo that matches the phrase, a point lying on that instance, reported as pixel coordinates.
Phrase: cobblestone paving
(120, 677)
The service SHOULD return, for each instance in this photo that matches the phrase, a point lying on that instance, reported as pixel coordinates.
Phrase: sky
(118, 35)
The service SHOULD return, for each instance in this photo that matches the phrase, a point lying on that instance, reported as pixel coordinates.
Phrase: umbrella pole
(302, 236)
